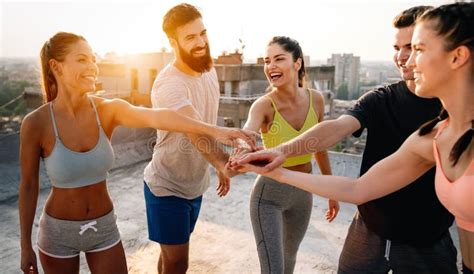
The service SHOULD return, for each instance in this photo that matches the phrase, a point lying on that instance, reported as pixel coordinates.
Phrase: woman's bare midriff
(77, 204)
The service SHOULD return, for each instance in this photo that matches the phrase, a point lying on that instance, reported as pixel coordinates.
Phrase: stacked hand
(249, 160)
(224, 175)
(234, 137)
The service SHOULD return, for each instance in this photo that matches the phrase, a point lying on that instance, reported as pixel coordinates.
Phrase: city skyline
(322, 27)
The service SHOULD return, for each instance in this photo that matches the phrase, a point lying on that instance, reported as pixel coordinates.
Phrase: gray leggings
(280, 215)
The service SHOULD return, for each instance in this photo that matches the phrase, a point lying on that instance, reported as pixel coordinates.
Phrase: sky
(322, 27)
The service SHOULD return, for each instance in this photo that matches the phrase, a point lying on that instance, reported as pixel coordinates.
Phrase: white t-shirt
(177, 168)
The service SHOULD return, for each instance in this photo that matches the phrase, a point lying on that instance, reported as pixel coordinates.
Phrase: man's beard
(198, 64)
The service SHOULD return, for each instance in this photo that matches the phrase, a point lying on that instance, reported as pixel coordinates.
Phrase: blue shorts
(171, 219)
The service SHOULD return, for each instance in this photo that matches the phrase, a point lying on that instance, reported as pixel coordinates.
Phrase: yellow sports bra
(281, 131)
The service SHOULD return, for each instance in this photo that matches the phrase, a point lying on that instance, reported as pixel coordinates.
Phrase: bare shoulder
(421, 145)
(318, 97)
(262, 105)
(111, 111)
(37, 116)
(99, 101)
(33, 125)
(107, 105)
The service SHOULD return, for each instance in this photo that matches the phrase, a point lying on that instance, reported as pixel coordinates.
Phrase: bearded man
(178, 173)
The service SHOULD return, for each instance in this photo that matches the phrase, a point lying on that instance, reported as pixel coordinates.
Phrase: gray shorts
(66, 239)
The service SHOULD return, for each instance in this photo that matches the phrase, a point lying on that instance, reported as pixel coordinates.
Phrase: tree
(343, 92)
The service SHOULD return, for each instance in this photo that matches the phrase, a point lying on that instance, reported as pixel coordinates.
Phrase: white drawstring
(387, 250)
(87, 226)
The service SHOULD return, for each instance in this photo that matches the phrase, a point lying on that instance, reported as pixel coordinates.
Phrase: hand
(28, 261)
(223, 186)
(236, 153)
(273, 157)
(274, 174)
(333, 209)
(236, 137)
(227, 171)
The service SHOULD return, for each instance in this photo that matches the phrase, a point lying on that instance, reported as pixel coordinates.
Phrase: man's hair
(407, 18)
(178, 16)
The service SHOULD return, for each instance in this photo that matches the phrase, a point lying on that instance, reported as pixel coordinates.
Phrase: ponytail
(57, 47)
(428, 126)
(462, 143)
(301, 74)
(50, 86)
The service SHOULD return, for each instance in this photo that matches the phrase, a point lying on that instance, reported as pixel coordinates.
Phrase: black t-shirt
(412, 215)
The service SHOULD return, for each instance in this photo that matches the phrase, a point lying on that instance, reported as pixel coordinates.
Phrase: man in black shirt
(406, 231)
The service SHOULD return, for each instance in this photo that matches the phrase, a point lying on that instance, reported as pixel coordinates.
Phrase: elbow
(358, 202)
(360, 197)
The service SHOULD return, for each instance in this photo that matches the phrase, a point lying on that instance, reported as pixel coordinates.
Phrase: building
(131, 77)
(241, 84)
(231, 58)
(347, 75)
(349, 144)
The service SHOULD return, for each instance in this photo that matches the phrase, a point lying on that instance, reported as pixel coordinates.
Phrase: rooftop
(222, 241)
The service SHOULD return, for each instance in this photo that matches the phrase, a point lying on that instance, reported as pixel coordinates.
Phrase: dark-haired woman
(71, 133)
(280, 213)
(443, 63)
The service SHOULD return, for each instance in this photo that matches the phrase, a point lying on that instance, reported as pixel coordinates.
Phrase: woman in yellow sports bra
(71, 133)
(280, 213)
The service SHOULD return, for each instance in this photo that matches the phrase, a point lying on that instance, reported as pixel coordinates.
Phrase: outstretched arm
(132, 116)
(318, 138)
(212, 152)
(412, 160)
(206, 144)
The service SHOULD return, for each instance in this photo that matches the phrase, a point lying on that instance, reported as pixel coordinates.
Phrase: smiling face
(280, 68)
(430, 61)
(78, 71)
(402, 47)
(192, 46)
